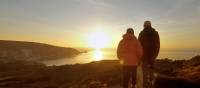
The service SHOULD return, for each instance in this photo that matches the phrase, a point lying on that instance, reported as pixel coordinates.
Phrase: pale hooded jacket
(129, 50)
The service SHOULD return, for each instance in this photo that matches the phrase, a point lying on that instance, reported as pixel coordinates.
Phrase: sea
(90, 55)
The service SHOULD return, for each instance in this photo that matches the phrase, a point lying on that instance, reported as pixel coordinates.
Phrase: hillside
(34, 51)
(102, 74)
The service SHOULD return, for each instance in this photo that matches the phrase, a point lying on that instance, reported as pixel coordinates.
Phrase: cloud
(94, 2)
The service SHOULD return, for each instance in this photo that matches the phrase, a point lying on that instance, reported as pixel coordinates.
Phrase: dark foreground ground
(102, 74)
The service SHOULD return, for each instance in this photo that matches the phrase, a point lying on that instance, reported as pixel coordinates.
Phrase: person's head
(130, 31)
(147, 24)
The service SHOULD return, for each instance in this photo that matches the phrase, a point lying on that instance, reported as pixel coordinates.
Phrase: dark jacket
(150, 41)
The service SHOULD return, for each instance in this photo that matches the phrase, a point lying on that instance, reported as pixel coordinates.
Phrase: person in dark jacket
(150, 41)
(130, 52)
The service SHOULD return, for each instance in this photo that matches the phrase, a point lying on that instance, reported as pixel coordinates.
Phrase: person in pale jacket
(129, 51)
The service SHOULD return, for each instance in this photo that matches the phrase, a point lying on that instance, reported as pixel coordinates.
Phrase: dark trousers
(148, 71)
(129, 73)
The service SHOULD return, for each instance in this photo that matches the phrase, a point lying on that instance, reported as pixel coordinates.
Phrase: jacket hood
(149, 31)
(128, 36)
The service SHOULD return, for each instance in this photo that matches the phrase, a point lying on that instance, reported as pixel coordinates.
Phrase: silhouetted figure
(150, 42)
(130, 52)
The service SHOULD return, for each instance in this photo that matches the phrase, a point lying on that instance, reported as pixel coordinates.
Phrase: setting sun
(98, 39)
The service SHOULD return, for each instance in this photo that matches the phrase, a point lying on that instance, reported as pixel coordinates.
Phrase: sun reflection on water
(97, 55)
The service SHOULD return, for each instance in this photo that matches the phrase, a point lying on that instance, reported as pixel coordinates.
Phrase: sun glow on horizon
(97, 40)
